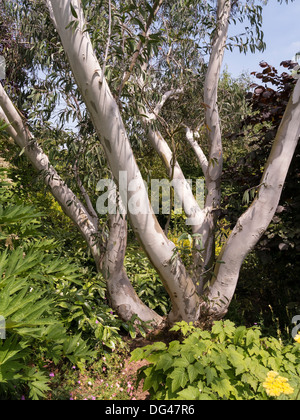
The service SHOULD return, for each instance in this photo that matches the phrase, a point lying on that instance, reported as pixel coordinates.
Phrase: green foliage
(83, 307)
(136, 326)
(33, 331)
(146, 281)
(47, 307)
(227, 363)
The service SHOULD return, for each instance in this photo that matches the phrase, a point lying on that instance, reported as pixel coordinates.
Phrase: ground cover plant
(228, 362)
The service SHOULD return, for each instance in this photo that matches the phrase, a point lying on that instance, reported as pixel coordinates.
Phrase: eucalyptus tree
(125, 62)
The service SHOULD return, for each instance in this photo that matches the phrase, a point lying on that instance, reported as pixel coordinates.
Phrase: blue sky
(281, 24)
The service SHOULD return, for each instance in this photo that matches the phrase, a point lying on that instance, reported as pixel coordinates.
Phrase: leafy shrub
(33, 331)
(227, 363)
(36, 286)
(83, 307)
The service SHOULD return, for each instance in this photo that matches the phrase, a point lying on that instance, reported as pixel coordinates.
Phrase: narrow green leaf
(73, 11)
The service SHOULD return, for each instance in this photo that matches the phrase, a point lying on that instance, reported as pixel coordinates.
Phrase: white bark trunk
(121, 295)
(182, 188)
(109, 126)
(202, 159)
(254, 222)
(212, 118)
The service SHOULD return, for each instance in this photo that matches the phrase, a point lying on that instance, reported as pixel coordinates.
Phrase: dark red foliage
(271, 98)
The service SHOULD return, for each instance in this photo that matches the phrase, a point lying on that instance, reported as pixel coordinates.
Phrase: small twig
(84, 193)
(140, 45)
(108, 39)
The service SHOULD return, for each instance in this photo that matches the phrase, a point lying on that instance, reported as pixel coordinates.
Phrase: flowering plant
(228, 363)
(276, 385)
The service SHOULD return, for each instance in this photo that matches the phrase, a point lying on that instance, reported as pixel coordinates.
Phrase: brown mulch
(131, 370)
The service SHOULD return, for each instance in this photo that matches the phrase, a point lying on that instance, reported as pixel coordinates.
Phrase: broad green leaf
(190, 393)
(210, 373)
(222, 387)
(193, 372)
(179, 378)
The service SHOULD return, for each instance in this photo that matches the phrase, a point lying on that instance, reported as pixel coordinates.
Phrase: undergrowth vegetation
(54, 311)
(63, 341)
(228, 362)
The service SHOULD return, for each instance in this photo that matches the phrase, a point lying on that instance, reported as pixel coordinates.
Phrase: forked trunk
(109, 126)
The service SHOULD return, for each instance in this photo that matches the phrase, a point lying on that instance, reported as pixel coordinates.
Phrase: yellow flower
(276, 385)
(297, 338)
(184, 246)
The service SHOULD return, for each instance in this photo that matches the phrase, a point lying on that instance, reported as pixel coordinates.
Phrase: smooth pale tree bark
(109, 126)
(213, 124)
(253, 223)
(141, 45)
(202, 159)
(109, 257)
(182, 187)
(204, 220)
(121, 294)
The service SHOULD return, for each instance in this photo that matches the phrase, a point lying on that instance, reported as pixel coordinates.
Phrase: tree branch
(211, 88)
(140, 45)
(108, 123)
(166, 96)
(202, 159)
(213, 123)
(182, 188)
(84, 193)
(253, 223)
(74, 209)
